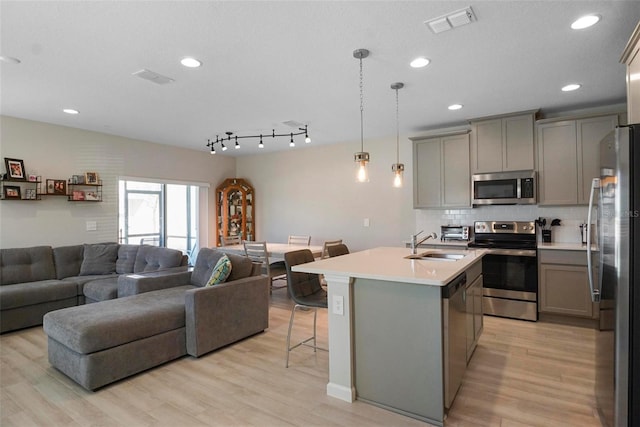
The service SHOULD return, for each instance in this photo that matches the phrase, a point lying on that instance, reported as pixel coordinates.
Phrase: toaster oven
(456, 232)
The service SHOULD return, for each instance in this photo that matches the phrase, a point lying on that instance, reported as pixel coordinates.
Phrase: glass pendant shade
(398, 171)
(362, 170)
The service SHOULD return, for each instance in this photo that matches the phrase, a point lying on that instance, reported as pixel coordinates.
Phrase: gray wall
(57, 152)
(312, 190)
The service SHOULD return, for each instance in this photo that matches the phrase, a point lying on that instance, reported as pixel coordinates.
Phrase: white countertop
(389, 263)
(560, 246)
(438, 242)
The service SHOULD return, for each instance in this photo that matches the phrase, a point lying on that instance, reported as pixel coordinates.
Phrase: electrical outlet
(92, 226)
(338, 305)
(365, 222)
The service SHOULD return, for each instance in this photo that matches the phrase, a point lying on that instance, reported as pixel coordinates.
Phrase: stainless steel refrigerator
(615, 276)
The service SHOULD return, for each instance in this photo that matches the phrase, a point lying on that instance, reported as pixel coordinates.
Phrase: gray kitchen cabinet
(441, 175)
(568, 158)
(504, 143)
(589, 134)
(564, 285)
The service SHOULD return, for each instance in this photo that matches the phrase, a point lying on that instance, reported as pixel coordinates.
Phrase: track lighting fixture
(303, 131)
(361, 157)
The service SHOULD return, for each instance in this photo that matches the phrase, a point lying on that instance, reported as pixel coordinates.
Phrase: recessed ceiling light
(571, 87)
(585, 22)
(71, 111)
(420, 62)
(191, 62)
(454, 107)
(9, 59)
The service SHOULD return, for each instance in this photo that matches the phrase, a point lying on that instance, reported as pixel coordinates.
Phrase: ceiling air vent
(451, 20)
(153, 77)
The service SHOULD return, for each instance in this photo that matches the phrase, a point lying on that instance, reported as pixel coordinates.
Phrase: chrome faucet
(415, 243)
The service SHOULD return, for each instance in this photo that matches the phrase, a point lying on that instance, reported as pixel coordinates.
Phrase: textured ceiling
(268, 62)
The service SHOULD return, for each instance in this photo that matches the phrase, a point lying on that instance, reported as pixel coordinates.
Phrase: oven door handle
(513, 252)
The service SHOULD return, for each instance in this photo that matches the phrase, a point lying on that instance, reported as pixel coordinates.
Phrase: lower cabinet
(473, 299)
(564, 284)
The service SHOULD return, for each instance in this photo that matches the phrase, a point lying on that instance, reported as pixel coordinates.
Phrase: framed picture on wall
(11, 192)
(91, 196)
(91, 178)
(15, 169)
(57, 187)
(30, 194)
(77, 195)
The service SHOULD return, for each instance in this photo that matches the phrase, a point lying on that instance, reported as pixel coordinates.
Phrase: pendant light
(397, 167)
(362, 157)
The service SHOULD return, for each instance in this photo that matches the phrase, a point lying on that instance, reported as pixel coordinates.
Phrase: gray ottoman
(97, 344)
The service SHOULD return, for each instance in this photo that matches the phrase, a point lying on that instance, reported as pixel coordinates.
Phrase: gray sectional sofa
(36, 280)
(157, 318)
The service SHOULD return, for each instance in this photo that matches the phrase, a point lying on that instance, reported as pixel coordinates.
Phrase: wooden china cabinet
(235, 210)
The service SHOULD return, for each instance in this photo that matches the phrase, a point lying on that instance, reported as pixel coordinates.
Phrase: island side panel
(341, 377)
(398, 347)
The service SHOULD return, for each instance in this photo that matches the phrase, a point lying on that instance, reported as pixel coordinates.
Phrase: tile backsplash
(569, 232)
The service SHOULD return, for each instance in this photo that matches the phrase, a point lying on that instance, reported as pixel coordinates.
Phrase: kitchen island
(391, 341)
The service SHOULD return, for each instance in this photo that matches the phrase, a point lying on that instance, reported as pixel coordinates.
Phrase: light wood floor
(522, 374)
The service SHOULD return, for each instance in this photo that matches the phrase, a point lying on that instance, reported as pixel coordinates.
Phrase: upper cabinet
(631, 57)
(569, 158)
(441, 172)
(503, 143)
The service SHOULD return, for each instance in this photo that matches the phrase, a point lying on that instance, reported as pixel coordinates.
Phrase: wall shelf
(27, 191)
(84, 193)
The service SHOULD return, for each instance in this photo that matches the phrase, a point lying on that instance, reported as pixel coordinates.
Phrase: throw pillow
(221, 271)
(99, 259)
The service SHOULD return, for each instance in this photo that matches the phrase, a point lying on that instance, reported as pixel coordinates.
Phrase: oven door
(511, 273)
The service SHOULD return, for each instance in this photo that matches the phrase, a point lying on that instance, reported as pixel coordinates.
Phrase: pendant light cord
(397, 129)
(361, 109)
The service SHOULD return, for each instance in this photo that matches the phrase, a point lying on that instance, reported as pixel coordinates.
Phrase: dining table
(275, 251)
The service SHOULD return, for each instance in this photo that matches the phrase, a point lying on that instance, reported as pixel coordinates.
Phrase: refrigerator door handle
(595, 293)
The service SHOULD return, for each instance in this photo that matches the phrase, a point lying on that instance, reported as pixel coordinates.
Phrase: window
(159, 214)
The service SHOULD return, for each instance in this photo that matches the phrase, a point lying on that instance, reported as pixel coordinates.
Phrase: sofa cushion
(153, 258)
(99, 258)
(221, 271)
(18, 265)
(68, 260)
(126, 258)
(89, 328)
(31, 293)
(101, 289)
(206, 261)
(242, 267)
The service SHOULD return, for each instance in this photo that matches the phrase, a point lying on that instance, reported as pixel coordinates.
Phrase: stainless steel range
(510, 269)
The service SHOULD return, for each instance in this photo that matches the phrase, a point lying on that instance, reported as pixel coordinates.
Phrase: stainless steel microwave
(504, 188)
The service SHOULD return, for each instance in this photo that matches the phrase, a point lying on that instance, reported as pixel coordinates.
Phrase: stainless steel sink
(437, 256)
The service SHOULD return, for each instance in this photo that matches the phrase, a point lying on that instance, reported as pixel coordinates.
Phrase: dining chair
(326, 245)
(231, 240)
(299, 240)
(337, 250)
(307, 293)
(257, 253)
